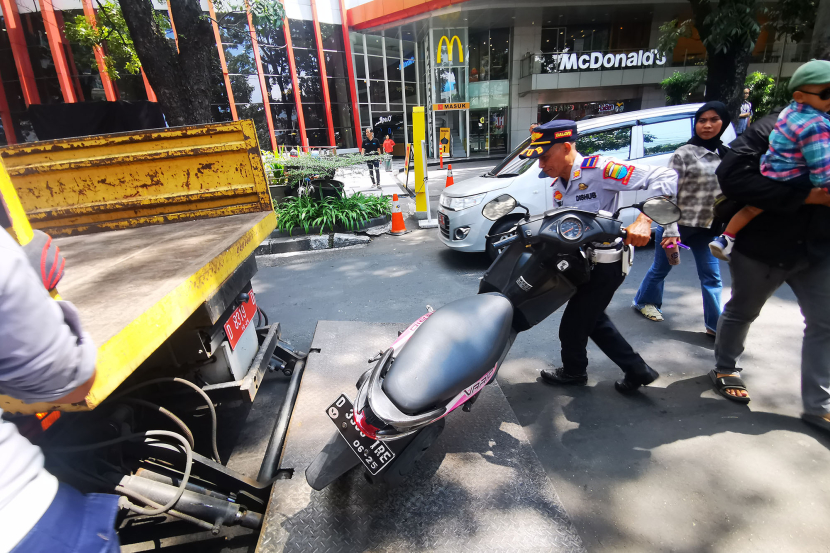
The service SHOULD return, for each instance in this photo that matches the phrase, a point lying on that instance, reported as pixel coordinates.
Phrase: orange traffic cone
(450, 180)
(398, 226)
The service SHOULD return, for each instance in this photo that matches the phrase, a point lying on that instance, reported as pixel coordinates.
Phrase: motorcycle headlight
(499, 207)
(457, 204)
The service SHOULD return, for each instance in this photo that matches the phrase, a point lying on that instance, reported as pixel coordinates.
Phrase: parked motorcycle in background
(445, 358)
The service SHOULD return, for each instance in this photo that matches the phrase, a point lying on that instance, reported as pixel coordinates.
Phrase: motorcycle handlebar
(505, 242)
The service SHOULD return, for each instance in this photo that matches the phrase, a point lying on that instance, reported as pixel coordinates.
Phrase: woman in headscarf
(697, 187)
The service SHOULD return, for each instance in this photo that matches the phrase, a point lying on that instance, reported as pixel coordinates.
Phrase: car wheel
(502, 225)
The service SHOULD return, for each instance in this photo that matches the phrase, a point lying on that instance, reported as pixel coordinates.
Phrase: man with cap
(593, 184)
(789, 241)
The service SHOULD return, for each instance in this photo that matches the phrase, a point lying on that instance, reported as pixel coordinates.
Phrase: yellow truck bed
(135, 286)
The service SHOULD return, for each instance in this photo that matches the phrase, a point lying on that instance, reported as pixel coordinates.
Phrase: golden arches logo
(450, 43)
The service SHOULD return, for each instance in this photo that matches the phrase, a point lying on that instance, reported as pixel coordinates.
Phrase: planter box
(299, 231)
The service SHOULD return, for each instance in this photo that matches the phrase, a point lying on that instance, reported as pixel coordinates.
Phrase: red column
(19, 52)
(6, 116)
(70, 58)
(218, 36)
(173, 26)
(151, 96)
(266, 99)
(347, 43)
(295, 83)
(53, 34)
(109, 89)
(326, 98)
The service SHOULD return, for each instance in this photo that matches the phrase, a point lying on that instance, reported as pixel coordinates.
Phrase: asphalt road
(674, 468)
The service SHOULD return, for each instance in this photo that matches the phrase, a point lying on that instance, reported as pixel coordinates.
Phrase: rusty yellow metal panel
(92, 184)
(121, 354)
(12, 216)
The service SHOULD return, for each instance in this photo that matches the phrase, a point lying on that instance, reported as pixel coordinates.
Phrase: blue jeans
(708, 270)
(74, 523)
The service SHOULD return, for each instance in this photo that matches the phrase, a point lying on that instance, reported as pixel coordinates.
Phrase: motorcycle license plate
(374, 455)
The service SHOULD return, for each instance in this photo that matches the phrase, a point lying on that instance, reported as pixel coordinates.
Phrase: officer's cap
(812, 72)
(545, 136)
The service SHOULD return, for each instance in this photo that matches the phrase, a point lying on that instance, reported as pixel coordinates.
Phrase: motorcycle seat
(451, 351)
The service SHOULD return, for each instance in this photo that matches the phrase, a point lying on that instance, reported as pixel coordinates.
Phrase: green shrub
(295, 170)
(306, 211)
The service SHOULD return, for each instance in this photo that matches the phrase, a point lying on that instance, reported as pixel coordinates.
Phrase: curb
(318, 242)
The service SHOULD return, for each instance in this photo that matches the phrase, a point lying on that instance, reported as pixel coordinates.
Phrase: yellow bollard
(418, 145)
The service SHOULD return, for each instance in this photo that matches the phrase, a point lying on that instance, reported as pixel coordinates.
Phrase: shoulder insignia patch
(618, 171)
(590, 162)
(583, 186)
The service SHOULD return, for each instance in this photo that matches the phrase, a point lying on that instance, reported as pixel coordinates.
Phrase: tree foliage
(680, 86)
(110, 33)
(765, 94)
(792, 18)
(729, 30)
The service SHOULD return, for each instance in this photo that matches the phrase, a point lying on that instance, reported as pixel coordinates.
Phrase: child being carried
(799, 146)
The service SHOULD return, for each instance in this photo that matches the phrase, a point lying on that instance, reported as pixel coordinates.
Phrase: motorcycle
(446, 357)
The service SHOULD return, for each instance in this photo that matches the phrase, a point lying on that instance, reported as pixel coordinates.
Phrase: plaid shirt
(799, 144)
(697, 186)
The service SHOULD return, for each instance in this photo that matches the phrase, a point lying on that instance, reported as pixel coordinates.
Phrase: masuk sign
(597, 60)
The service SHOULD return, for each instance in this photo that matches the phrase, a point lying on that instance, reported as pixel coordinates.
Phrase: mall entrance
(488, 132)
(451, 131)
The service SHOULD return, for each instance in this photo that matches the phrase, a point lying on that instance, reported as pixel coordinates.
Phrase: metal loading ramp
(480, 487)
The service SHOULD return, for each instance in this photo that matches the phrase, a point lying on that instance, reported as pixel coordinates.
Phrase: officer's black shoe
(634, 379)
(560, 377)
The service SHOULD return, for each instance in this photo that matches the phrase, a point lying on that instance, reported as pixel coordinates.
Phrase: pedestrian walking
(789, 241)
(697, 188)
(593, 184)
(746, 114)
(388, 146)
(371, 145)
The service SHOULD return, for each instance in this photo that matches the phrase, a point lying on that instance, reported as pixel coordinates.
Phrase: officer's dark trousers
(585, 317)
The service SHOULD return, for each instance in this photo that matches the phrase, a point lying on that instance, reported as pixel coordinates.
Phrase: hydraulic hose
(148, 434)
(195, 389)
(166, 412)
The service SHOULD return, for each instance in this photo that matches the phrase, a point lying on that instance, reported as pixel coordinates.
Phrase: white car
(467, 211)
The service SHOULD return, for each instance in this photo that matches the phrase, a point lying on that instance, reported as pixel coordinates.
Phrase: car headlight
(457, 204)
(499, 207)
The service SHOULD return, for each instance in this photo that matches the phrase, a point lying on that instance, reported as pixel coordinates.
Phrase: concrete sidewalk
(673, 468)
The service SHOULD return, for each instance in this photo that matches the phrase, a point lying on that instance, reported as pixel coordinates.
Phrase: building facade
(484, 71)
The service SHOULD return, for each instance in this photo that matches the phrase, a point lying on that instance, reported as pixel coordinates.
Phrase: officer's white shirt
(596, 182)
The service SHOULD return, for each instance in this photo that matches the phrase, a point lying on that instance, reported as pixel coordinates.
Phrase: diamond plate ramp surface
(480, 487)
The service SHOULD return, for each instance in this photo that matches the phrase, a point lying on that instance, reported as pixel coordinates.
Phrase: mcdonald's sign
(450, 43)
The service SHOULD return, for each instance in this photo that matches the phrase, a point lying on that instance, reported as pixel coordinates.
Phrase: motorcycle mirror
(527, 211)
(661, 210)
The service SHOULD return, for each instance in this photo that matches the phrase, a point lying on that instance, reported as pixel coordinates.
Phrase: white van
(650, 135)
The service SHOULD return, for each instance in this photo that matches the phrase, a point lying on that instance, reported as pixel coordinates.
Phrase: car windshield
(512, 166)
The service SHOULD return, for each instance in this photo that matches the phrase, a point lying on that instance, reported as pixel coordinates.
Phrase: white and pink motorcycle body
(444, 359)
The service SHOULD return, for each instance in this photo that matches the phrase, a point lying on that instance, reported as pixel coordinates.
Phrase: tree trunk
(180, 80)
(726, 78)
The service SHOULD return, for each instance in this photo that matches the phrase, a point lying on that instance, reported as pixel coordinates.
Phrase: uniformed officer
(593, 183)
(371, 145)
